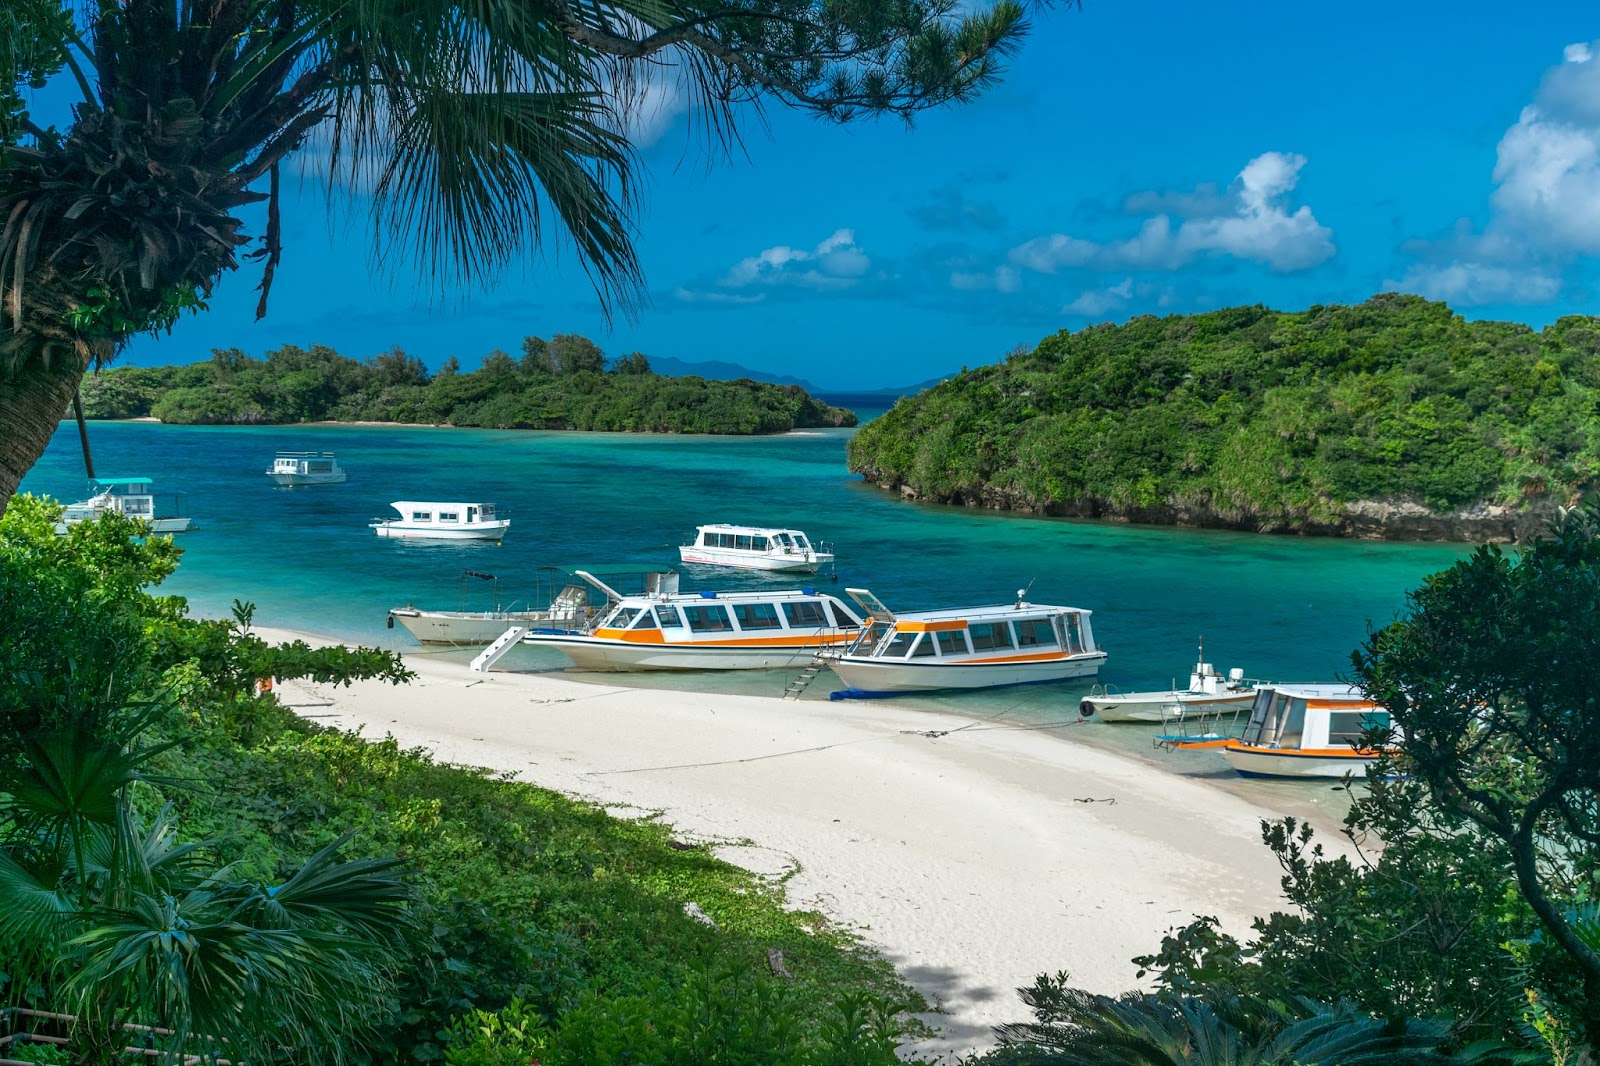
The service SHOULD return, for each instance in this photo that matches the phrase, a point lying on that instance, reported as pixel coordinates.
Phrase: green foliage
(33, 37)
(559, 384)
(1259, 418)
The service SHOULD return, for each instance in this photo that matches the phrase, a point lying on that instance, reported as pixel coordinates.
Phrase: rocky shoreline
(1400, 519)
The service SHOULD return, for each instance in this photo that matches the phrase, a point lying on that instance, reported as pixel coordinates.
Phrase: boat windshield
(620, 618)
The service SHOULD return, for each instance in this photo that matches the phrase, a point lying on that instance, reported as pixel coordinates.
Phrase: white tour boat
(755, 548)
(306, 468)
(973, 647)
(664, 629)
(570, 609)
(442, 521)
(1305, 731)
(130, 496)
(1208, 692)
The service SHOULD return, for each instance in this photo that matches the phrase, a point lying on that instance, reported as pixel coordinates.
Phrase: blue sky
(1140, 157)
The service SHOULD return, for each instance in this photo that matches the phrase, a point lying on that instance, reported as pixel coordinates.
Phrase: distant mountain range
(717, 370)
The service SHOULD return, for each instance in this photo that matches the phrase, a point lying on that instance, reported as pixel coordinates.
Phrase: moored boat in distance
(1314, 731)
(664, 629)
(442, 521)
(569, 609)
(1208, 691)
(755, 548)
(134, 497)
(964, 648)
(306, 468)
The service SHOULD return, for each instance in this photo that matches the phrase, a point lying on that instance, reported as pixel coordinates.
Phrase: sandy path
(973, 856)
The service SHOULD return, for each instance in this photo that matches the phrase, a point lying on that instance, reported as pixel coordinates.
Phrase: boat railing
(1185, 727)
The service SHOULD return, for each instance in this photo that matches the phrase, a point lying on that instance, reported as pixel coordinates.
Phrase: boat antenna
(1022, 593)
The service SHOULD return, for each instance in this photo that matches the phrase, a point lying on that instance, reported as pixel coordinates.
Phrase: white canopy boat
(570, 609)
(970, 647)
(664, 629)
(306, 468)
(1208, 691)
(755, 548)
(131, 496)
(1313, 731)
(442, 521)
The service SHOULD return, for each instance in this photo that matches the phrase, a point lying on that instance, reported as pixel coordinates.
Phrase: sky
(1140, 157)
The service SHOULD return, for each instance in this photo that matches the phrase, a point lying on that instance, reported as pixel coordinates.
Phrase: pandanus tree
(483, 129)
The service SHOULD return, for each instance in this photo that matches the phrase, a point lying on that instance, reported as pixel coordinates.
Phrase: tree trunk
(32, 403)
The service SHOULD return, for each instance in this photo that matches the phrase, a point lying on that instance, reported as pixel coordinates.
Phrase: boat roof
(723, 527)
(400, 505)
(1319, 691)
(712, 596)
(303, 455)
(985, 613)
(120, 481)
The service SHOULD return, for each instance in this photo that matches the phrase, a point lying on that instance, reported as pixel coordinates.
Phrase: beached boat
(755, 548)
(664, 629)
(1208, 691)
(442, 521)
(134, 497)
(306, 468)
(1306, 731)
(970, 647)
(570, 608)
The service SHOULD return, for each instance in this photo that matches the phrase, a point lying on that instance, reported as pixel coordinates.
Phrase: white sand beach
(972, 855)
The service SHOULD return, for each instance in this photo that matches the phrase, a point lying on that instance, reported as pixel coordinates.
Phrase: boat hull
(600, 654)
(787, 564)
(1159, 706)
(886, 677)
(293, 480)
(1269, 762)
(466, 627)
(488, 531)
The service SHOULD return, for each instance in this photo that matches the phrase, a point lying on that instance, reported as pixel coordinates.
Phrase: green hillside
(1394, 417)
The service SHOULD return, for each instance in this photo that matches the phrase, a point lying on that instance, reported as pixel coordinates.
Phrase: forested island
(565, 382)
(1391, 418)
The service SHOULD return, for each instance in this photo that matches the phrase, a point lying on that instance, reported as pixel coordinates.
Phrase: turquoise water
(1279, 607)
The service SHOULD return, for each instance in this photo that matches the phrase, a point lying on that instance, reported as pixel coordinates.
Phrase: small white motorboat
(306, 468)
(133, 497)
(755, 548)
(1208, 691)
(969, 647)
(442, 521)
(1307, 731)
(570, 609)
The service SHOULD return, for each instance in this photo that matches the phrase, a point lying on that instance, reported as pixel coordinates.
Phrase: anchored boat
(306, 468)
(134, 497)
(971, 647)
(755, 548)
(1306, 731)
(570, 608)
(442, 521)
(664, 629)
(1208, 691)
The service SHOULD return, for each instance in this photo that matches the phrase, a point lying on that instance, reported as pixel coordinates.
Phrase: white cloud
(1000, 279)
(1252, 221)
(1545, 207)
(1098, 301)
(836, 263)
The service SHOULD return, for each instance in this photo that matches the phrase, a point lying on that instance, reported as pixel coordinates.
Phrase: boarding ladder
(496, 651)
(826, 653)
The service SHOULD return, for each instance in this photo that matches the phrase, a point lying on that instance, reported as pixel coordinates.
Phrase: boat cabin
(443, 521)
(755, 548)
(134, 497)
(1311, 717)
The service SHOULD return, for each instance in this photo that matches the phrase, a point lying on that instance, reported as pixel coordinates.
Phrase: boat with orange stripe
(664, 629)
(1317, 731)
(971, 647)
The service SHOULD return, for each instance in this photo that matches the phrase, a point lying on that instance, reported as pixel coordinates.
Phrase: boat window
(669, 618)
(449, 516)
(989, 635)
(724, 540)
(742, 542)
(646, 620)
(897, 648)
(422, 516)
(842, 618)
(923, 647)
(620, 618)
(486, 512)
(757, 616)
(708, 619)
(758, 543)
(135, 505)
(801, 542)
(1070, 630)
(1035, 633)
(708, 540)
(952, 641)
(319, 466)
(783, 538)
(1348, 728)
(805, 614)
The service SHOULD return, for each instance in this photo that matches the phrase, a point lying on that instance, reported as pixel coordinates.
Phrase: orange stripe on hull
(653, 636)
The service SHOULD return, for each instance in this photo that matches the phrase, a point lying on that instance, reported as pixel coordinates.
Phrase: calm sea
(1285, 608)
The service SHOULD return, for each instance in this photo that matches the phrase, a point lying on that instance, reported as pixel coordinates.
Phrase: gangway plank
(496, 651)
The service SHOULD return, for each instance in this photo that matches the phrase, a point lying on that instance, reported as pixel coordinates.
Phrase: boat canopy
(107, 482)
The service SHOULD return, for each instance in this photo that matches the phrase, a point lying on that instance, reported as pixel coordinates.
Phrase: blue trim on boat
(859, 694)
